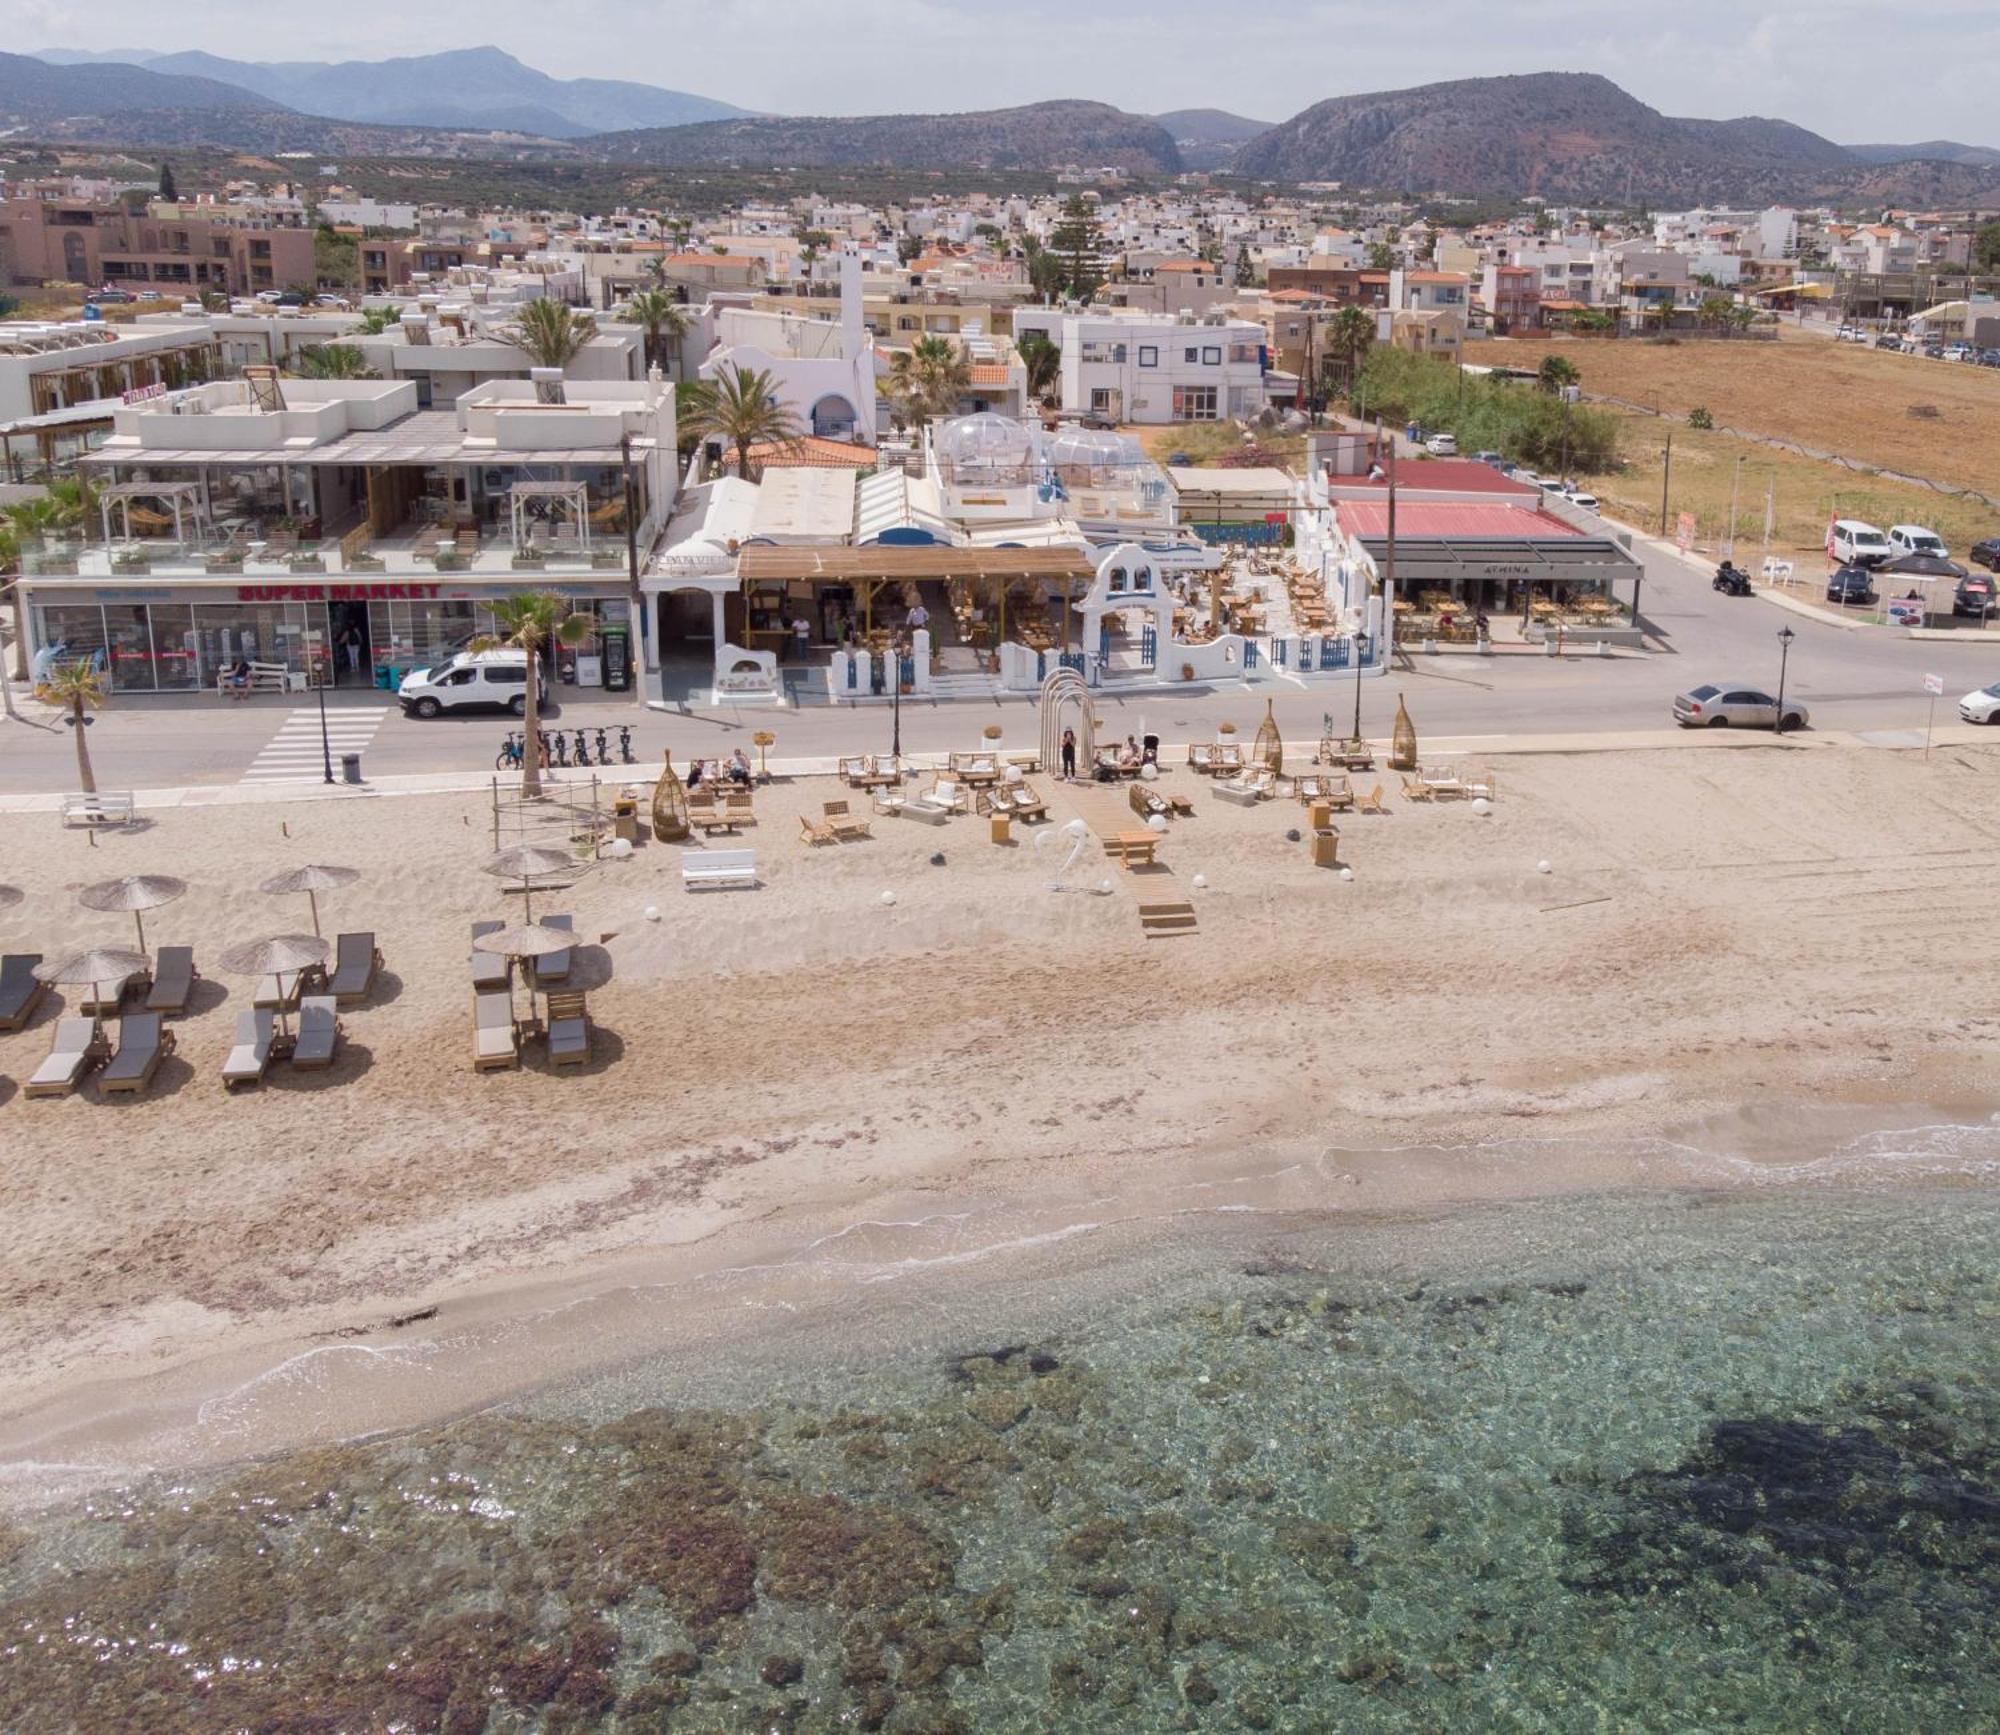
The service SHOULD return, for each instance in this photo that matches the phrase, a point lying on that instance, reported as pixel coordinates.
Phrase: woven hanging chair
(670, 807)
(1403, 744)
(1269, 747)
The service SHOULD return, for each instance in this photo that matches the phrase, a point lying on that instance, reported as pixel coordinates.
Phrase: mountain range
(1207, 137)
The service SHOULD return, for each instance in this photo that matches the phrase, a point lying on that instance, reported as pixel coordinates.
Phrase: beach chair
(1372, 802)
(355, 961)
(489, 969)
(1339, 794)
(845, 825)
(554, 966)
(1310, 788)
(1201, 758)
(1228, 757)
(73, 1048)
(250, 1059)
(857, 772)
(496, 1038)
(20, 993)
(143, 1042)
(569, 1030)
(319, 1033)
(1027, 805)
(1144, 802)
(944, 796)
(106, 1004)
(282, 993)
(817, 831)
(1416, 789)
(739, 806)
(174, 977)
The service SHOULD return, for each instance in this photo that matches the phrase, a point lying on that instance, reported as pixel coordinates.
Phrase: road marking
(295, 754)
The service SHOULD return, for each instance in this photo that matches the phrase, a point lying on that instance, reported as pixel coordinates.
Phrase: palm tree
(10, 568)
(79, 689)
(1556, 372)
(740, 406)
(928, 379)
(552, 332)
(1348, 336)
(527, 622)
(1043, 360)
(332, 361)
(376, 320)
(660, 316)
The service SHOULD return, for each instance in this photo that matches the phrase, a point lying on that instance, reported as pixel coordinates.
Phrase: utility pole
(1735, 483)
(1666, 477)
(648, 661)
(1388, 581)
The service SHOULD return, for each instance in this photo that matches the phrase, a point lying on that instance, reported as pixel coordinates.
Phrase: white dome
(1092, 449)
(985, 440)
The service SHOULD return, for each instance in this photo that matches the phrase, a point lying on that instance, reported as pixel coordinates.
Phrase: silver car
(1714, 707)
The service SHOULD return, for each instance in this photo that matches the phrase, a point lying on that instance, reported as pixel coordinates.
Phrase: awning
(844, 565)
(1574, 560)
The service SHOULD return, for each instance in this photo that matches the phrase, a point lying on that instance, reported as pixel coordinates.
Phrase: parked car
(470, 681)
(1977, 596)
(1442, 445)
(1492, 458)
(1915, 539)
(1858, 544)
(337, 302)
(1985, 553)
(1888, 340)
(112, 297)
(1851, 587)
(1982, 706)
(1713, 707)
(1958, 352)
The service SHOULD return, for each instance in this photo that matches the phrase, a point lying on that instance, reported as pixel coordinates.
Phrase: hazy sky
(1856, 72)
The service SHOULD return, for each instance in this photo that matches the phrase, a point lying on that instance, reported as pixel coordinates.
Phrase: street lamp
(896, 698)
(325, 742)
(1785, 637)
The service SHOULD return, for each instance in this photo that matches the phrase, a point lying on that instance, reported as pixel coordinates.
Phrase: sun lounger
(105, 1003)
(554, 967)
(569, 1030)
(354, 965)
(174, 977)
(282, 993)
(845, 825)
(250, 1059)
(496, 1039)
(143, 1042)
(20, 993)
(489, 969)
(817, 830)
(319, 1033)
(72, 1049)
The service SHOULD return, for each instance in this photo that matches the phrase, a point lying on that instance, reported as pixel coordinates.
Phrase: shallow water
(1648, 1461)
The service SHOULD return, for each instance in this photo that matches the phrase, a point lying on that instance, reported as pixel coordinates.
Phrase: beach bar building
(276, 519)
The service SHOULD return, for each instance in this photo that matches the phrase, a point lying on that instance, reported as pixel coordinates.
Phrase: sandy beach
(1761, 924)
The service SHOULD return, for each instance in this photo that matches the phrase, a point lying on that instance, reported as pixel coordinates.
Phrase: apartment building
(1127, 367)
(75, 241)
(1343, 285)
(1512, 295)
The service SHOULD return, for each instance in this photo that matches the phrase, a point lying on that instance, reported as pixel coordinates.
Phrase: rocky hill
(1207, 137)
(1042, 135)
(33, 91)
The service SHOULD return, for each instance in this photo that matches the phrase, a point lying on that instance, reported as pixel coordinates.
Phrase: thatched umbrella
(10, 896)
(528, 862)
(93, 969)
(529, 940)
(133, 894)
(282, 955)
(312, 880)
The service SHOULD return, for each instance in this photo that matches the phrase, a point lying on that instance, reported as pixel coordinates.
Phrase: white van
(471, 681)
(1915, 539)
(1858, 544)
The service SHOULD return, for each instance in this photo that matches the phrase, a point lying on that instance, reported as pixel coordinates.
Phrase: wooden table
(1133, 847)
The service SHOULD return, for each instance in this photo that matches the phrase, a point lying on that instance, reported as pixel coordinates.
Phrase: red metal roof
(1419, 476)
(1446, 518)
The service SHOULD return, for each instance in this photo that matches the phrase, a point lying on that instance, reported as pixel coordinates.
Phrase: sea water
(1671, 1460)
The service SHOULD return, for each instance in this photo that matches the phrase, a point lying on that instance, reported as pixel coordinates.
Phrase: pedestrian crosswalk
(295, 754)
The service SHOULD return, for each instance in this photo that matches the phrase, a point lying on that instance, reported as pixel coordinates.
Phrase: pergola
(183, 499)
(866, 570)
(573, 497)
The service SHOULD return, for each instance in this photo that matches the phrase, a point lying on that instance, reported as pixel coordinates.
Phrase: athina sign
(339, 592)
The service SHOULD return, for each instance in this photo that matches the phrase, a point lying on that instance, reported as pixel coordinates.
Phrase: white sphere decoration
(1149, 772)
(1542, 867)
(1106, 887)
(1156, 822)
(651, 912)
(1347, 873)
(1200, 882)
(1481, 805)
(619, 848)
(888, 898)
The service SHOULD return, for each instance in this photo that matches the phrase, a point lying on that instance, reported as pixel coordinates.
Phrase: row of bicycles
(560, 751)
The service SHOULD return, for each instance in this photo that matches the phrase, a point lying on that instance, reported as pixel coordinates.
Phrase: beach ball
(1481, 805)
(1200, 882)
(619, 848)
(1156, 822)
(888, 898)
(1542, 867)
(652, 912)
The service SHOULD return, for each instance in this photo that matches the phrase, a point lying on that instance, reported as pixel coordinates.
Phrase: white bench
(103, 807)
(271, 677)
(718, 867)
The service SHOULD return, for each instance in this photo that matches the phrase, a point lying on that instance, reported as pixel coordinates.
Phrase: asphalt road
(1867, 679)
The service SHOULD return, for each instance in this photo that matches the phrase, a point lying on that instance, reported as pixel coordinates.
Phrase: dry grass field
(1832, 397)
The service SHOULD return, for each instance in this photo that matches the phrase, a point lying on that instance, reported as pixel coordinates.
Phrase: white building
(1146, 369)
(823, 371)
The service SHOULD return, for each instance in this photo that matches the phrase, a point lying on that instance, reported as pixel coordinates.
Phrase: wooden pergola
(866, 570)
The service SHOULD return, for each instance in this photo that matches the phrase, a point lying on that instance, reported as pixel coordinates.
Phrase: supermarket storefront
(177, 637)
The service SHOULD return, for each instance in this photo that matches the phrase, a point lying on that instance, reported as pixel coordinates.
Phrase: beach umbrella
(312, 880)
(282, 955)
(529, 940)
(135, 894)
(528, 862)
(93, 969)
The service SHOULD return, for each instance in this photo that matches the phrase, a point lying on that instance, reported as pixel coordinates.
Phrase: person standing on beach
(1069, 755)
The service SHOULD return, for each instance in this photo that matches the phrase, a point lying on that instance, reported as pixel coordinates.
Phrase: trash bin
(350, 767)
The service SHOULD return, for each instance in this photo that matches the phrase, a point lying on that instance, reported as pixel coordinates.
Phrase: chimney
(853, 331)
(548, 384)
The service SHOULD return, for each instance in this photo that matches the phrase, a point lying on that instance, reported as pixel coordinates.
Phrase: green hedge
(1518, 420)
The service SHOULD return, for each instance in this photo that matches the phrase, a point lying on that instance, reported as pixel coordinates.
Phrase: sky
(1858, 73)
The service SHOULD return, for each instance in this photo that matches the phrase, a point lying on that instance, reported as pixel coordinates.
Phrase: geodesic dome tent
(1090, 454)
(986, 448)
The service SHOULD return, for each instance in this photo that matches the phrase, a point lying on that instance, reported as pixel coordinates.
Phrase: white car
(1577, 497)
(1442, 446)
(1982, 706)
(470, 681)
(1915, 539)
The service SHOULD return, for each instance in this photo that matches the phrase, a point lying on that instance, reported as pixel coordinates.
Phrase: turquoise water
(1669, 1461)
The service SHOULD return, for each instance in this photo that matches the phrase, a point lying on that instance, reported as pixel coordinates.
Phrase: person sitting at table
(238, 678)
(696, 772)
(739, 768)
(1129, 758)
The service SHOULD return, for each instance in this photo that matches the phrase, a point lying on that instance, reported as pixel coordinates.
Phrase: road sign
(1684, 532)
(1934, 685)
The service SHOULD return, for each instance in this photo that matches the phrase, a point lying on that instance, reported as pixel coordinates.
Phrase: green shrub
(1514, 419)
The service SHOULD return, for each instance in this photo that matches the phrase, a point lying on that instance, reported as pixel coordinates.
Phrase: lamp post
(325, 741)
(896, 698)
(1785, 637)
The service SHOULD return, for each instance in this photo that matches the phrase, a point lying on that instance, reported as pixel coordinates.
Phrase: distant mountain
(1207, 137)
(33, 92)
(472, 88)
(1043, 135)
(1576, 136)
(1931, 150)
(94, 56)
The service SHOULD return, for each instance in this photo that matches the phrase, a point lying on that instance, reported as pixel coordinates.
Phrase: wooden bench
(264, 677)
(104, 807)
(718, 867)
(1162, 921)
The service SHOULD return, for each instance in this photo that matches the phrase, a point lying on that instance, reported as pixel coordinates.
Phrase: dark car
(1888, 340)
(1851, 587)
(1975, 596)
(1986, 553)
